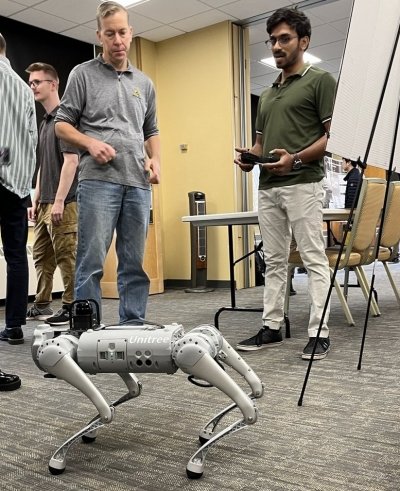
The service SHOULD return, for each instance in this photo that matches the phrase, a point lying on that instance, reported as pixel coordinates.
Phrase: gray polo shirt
(117, 108)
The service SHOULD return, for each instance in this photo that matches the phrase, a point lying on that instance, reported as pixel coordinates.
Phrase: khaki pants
(55, 245)
(282, 210)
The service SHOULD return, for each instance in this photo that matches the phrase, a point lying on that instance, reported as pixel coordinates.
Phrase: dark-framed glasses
(36, 83)
(282, 40)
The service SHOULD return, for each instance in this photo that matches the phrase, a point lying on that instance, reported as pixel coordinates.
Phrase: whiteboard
(370, 42)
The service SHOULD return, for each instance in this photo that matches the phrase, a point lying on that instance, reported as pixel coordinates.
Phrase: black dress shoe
(9, 381)
(13, 335)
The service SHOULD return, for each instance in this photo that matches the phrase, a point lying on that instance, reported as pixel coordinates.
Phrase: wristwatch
(297, 162)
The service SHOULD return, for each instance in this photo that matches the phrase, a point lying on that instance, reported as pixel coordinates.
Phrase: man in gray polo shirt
(293, 118)
(108, 110)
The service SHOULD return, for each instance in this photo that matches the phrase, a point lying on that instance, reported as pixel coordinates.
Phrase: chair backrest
(391, 224)
(366, 215)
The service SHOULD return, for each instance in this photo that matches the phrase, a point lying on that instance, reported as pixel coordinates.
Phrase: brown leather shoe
(9, 381)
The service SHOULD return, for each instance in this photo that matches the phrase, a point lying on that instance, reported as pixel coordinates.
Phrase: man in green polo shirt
(293, 118)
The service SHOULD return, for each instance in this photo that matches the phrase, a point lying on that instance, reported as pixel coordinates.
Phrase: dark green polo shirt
(292, 116)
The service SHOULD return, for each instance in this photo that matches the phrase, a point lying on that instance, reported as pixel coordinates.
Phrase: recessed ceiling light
(308, 58)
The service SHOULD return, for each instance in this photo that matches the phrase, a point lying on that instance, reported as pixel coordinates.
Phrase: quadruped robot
(86, 347)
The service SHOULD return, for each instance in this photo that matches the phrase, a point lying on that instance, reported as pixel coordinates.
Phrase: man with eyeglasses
(18, 137)
(53, 208)
(292, 122)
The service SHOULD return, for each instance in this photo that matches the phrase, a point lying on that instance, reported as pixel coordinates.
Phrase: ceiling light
(130, 3)
(308, 58)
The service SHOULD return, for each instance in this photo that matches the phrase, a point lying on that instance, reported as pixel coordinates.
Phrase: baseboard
(178, 284)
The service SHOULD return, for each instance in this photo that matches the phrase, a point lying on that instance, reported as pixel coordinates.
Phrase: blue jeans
(103, 208)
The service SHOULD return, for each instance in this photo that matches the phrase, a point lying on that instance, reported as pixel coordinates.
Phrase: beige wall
(193, 78)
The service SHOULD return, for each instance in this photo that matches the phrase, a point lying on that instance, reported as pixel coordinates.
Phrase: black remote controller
(250, 158)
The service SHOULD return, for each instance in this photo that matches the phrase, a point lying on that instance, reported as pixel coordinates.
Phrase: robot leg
(56, 356)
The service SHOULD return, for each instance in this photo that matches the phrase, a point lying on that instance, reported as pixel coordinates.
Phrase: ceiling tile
(341, 25)
(329, 51)
(29, 3)
(141, 23)
(161, 33)
(171, 11)
(218, 3)
(331, 11)
(92, 24)
(249, 8)
(201, 20)
(83, 33)
(72, 10)
(257, 34)
(8, 8)
(259, 51)
(43, 20)
(325, 34)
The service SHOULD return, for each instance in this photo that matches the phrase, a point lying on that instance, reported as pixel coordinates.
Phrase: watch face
(297, 164)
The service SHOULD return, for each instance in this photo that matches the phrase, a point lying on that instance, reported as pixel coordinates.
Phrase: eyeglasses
(36, 83)
(282, 40)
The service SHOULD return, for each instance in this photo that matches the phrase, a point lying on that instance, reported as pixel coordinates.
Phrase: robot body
(143, 349)
(127, 349)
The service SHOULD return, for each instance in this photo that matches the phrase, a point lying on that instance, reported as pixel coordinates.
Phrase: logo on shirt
(136, 92)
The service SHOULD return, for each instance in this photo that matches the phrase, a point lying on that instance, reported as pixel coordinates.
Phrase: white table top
(251, 217)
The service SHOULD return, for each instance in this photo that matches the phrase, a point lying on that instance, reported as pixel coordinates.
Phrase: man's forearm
(67, 176)
(317, 149)
(71, 135)
(153, 147)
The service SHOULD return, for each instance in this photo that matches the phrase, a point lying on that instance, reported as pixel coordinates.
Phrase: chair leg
(287, 293)
(343, 302)
(365, 286)
(395, 289)
(346, 282)
(286, 303)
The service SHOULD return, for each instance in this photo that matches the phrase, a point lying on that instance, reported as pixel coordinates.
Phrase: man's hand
(284, 164)
(57, 212)
(152, 170)
(102, 152)
(244, 167)
(32, 212)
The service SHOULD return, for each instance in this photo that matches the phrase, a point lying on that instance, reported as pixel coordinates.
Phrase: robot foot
(209, 429)
(88, 434)
(58, 461)
(195, 466)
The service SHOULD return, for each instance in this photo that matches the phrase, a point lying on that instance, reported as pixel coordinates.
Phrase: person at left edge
(18, 136)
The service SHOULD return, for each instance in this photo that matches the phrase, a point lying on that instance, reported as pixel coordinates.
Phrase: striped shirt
(18, 131)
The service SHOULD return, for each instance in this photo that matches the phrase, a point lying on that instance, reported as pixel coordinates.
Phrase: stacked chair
(389, 238)
(359, 243)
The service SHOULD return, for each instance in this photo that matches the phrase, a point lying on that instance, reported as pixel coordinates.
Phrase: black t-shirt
(50, 155)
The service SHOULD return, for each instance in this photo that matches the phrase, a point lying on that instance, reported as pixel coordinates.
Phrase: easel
(363, 165)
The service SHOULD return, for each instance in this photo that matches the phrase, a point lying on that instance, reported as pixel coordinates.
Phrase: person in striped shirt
(18, 138)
